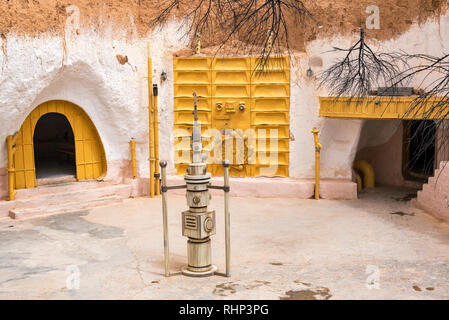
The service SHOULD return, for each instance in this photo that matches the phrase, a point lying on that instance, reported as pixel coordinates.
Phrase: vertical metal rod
(318, 147)
(151, 124)
(227, 217)
(156, 141)
(163, 165)
(133, 158)
(10, 146)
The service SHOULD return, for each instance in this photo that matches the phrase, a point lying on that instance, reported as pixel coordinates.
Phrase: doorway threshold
(55, 180)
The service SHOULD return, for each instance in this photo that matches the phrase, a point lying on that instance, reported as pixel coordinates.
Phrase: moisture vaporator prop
(198, 222)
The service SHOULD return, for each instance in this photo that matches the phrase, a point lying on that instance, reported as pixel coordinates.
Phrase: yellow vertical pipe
(318, 147)
(156, 141)
(10, 146)
(151, 124)
(133, 158)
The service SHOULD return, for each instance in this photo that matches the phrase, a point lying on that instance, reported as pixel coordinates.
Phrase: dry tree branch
(255, 27)
(431, 104)
(361, 71)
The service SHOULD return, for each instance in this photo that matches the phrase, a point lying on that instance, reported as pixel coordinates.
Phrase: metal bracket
(166, 188)
(224, 188)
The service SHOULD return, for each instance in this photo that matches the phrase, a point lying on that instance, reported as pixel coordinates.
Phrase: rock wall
(81, 66)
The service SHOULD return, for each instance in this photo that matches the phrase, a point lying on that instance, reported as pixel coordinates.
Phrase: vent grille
(191, 222)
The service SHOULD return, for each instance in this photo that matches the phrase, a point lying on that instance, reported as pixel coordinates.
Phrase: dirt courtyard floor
(376, 247)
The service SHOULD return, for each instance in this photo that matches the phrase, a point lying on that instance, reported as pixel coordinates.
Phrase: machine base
(207, 273)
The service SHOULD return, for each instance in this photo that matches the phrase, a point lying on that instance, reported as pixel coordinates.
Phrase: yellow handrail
(318, 147)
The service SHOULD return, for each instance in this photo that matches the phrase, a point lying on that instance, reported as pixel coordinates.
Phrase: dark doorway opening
(54, 147)
(419, 149)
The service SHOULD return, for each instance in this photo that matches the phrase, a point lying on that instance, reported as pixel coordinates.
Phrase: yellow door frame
(90, 157)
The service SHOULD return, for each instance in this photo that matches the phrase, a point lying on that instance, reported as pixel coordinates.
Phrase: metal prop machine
(198, 222)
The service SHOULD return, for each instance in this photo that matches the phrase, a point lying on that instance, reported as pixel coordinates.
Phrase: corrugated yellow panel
(377, 108)
(186, 104)
(270, 93)
(231, 91)
(185, 117)
(89, 152)
(192, 63)
(242, 97)
(241, 63)
(231, 77)
(187, 77)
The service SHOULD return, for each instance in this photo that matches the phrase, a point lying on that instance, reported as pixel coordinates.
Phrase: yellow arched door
(89, 152)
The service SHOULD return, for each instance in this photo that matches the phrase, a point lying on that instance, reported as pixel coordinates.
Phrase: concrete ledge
(434, 210)
(263, 187)
(338, 189)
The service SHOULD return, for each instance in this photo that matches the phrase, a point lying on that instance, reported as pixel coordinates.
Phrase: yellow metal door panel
(231, 91)
(187, 77)
(231, 77)
(187, 90)
(271, 104)
(186, 104)
(231, 64)
(185, 117)
(270, 118)
(264, 132)
(281, 146)
(231, 113)
(241, 99)
(272, 64)
(270, 90)
(265, 170)
(276, 76)
(90, 159)
(192, 63)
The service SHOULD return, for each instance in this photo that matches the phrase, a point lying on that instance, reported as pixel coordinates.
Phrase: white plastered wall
(115, 96)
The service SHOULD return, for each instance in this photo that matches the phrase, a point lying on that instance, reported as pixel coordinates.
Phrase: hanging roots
(360, 71)
(254, 27)
(431, 104)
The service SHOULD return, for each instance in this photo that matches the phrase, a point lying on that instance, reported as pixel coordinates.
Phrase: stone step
(50, 199)
(57, 188)
(78, 193)
(63, 208)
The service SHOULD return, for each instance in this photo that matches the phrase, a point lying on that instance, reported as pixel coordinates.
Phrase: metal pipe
(368, 173)
(156, 141)
(11, 173)
(151, 124)
(227, 217)
(133, 158)
(163, 165)
(318, 147)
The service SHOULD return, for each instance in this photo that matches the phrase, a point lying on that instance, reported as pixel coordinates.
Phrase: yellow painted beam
(377, 108)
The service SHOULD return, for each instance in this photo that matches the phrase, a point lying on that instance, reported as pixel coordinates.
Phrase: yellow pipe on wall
(367, 171)
(151, 123)
(133, 158)
(11, 172)
(358, 181)
(318, 147)
(156, 140)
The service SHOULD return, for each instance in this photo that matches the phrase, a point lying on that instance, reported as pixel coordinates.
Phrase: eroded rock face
(103, 69)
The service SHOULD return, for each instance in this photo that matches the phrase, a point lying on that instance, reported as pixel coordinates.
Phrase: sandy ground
(377, 247)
